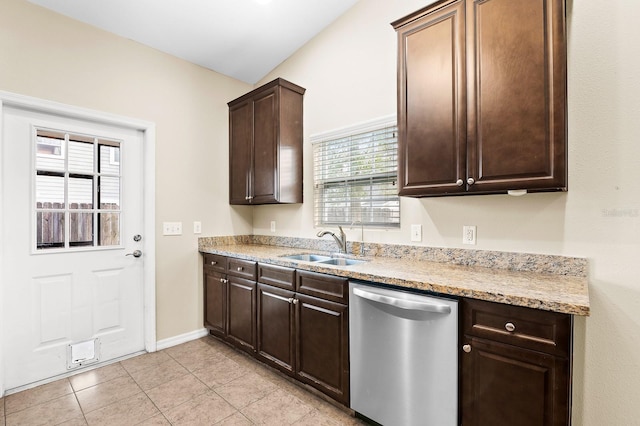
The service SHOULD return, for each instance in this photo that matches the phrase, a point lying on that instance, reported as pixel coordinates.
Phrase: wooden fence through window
(50, 225)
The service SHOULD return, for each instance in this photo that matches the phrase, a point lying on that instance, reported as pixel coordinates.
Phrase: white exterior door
(72, 212)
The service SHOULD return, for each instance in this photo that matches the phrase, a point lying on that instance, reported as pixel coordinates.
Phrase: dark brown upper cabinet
(265, 145)
(482, 97)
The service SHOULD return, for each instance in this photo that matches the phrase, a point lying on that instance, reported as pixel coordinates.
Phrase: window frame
(95, 176)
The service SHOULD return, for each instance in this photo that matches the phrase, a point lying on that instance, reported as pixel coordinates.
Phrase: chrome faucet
(341, 240)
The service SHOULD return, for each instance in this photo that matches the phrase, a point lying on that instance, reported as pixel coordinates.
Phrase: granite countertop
(559, 289)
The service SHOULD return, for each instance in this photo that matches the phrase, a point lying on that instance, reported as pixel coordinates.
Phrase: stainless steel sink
(327, 260)
(341, 261)
(308, 257)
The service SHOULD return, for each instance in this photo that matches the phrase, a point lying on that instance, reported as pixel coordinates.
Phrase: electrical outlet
(171, 228)
(469, 234)
(197, 227)
(416, 233)
(273, 226)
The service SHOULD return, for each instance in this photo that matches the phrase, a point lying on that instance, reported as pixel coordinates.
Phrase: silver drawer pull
(510, 327)
(240, 268)
(214, 263)
(466, 348)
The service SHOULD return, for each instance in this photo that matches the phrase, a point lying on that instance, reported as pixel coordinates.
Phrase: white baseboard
(182, 338)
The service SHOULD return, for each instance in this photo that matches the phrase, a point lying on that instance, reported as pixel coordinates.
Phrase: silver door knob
(136, 253)
(471, 181)
(459, 182)
(510, 326)
(466, 348)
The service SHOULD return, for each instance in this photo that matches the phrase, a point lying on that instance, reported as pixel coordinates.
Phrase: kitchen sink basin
(327, 260)
(309, 257)
(341, 261)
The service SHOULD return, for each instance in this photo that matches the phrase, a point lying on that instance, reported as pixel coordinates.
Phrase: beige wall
(349, 72)
(46, 55)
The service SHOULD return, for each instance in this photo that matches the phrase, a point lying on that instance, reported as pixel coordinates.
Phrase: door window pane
(81, 192)
(80, 229)
(49, 191)
(109, 193)
(110, 159)
(81, 157)
(50, 152)
(50, 229)
(109, 229)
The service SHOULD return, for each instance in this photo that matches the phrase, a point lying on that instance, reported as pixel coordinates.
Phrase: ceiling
(244, 39)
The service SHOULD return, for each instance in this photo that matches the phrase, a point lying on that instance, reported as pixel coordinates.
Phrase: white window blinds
(355, 175)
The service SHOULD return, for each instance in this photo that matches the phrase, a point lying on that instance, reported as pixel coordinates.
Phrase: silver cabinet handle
(291, 299)
(136, 253)
(240, 268)
(471, 181)
(466, 348)
(401, 303)
(214, 263)
(459, 182)
(295, 301)
(510, 326)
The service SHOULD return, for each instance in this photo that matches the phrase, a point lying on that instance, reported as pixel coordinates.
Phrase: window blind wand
(341, 240)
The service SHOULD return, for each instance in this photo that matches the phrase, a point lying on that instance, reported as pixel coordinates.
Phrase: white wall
(349, 72)
(49, 56)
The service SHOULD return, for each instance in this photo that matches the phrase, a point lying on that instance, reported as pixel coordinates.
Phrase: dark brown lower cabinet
(276, 334)
(322, 355)
(304, 336)
(241, 308)
(515, 366)
(215, 296)
(230, 300)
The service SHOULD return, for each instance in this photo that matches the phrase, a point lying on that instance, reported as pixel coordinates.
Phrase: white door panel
(55, 297)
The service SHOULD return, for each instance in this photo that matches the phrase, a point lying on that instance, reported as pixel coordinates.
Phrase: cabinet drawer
(543, 331)
(215, 262)
(324, 286)
(278, 276)
(241, 268)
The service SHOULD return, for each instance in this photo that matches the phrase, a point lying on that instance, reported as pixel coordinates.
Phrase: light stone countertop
(556, 292)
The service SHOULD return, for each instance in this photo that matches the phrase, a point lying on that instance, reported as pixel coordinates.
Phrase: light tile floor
(202, 382)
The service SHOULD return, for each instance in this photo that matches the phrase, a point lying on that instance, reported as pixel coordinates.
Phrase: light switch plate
(273, 226)
(416, 233)
(197, 227)
(171, 228)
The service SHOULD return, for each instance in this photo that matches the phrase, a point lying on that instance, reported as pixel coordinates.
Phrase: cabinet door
(240, 152)
(275, 327)
(432, 103)
(265, 146)
(322, 329)
(215, 297)
(507, 385)
(516, 61)
(241, 312)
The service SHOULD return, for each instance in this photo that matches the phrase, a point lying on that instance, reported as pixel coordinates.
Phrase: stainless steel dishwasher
(403, 356)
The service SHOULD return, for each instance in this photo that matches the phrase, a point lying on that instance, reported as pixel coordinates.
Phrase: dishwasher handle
(402, 303)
